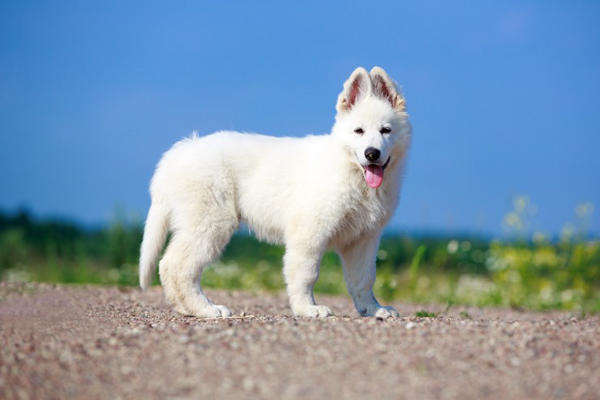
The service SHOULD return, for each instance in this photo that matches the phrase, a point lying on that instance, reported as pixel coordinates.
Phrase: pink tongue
(374, 175)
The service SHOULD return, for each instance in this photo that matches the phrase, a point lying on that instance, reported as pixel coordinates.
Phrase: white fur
(307, 193)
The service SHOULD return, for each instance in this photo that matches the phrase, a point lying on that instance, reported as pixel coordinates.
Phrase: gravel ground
(88, 342)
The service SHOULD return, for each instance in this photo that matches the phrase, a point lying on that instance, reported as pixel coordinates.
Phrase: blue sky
(504, 97)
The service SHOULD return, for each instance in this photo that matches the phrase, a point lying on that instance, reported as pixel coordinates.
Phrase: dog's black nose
(372, 154)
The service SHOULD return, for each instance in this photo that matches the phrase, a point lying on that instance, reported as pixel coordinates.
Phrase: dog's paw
(209, 311)
(312, 311)
(225, 312)
(377, 311)
(181, 310)
(386, 312)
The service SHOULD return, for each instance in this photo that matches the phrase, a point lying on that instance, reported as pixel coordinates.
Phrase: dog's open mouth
(374, 174)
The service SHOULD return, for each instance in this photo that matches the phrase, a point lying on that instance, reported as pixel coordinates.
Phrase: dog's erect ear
(385, 88)
(358, 86)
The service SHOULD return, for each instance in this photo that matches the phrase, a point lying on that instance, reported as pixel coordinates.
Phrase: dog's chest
(363, 211)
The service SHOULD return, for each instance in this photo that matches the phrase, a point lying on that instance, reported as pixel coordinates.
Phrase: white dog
(315, 193)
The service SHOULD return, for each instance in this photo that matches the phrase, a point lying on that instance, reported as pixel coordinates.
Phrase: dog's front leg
(301, 270)
(358, 260)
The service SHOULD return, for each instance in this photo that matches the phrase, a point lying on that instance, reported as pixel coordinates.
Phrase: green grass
(425, 314)
(534, 274)
(465, 315)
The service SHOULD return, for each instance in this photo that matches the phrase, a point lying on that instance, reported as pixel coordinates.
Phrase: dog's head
(372, 122)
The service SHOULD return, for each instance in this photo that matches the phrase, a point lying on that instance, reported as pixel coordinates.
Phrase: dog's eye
(385, 129)
(359, 131)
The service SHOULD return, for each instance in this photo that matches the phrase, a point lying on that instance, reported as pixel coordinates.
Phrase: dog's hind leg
(167, 279)
(190, 250)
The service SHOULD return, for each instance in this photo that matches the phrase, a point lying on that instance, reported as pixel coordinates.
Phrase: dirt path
(91, 342)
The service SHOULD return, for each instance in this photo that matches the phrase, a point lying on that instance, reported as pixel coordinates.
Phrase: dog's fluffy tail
(155, 233)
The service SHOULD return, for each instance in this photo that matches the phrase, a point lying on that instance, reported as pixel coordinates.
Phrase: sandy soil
(109, 343)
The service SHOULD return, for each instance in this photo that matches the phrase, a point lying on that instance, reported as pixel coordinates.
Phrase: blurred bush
(13, 249)
(540, 274)
(525, 270)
